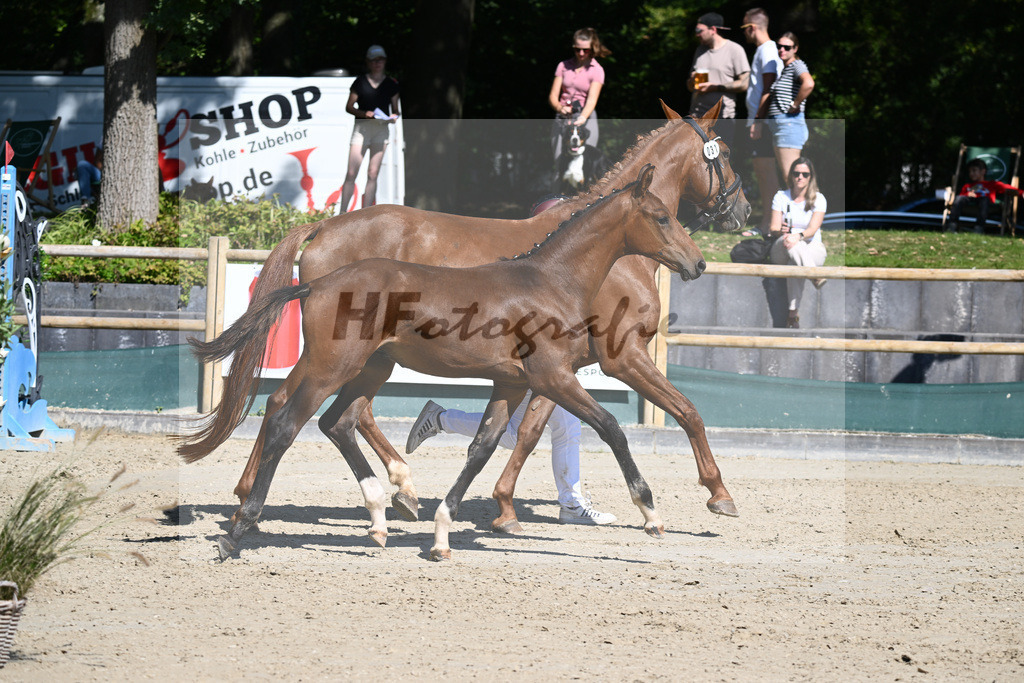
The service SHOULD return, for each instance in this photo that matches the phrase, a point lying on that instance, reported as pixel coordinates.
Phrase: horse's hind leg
(339, 424)
(404, 500)
(530, 431)
(504, 401)
(639, 372)
(282, 428)
(274, 403)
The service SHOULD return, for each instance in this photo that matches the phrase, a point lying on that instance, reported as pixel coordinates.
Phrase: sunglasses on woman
(801, 174)
(583, 50)
(785, 47)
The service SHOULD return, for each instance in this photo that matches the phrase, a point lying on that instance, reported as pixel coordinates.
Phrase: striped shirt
(785, 89)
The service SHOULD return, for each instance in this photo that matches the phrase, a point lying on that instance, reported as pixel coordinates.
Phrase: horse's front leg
(504, 401)
(565, 389)
(530, 431)
(635, 367)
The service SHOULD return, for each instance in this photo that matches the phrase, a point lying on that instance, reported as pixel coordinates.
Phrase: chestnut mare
(533, 324)
(432, 238)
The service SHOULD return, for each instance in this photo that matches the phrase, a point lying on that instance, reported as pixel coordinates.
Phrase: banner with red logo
(218, 138)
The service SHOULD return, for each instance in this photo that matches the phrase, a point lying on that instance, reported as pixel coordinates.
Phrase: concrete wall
(872, 309)
(120, 301)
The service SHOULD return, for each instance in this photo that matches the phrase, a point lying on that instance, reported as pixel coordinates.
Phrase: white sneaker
(584, 513)
(428, 424)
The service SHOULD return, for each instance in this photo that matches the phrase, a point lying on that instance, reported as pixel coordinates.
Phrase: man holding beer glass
(720, 71)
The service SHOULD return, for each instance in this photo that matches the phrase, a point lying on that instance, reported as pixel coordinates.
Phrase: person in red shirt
(977, 191)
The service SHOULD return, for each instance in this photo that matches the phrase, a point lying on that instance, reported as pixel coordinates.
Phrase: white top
(799, 217)
(766, 60)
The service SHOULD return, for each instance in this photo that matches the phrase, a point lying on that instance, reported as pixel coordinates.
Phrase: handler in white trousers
(576, 508)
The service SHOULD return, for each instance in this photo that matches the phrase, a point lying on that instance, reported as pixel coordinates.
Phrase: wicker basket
(10, 613)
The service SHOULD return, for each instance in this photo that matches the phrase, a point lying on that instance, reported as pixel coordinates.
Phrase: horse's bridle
(722, 205)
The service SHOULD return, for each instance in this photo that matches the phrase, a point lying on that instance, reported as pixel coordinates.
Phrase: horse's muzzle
(688, 274)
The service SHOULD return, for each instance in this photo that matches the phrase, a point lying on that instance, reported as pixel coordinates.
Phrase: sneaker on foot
(584, 513)
(428, 424)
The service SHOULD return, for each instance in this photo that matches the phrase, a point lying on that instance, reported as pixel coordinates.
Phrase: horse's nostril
(701, 265)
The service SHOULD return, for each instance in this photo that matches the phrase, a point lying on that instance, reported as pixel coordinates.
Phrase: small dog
(580, 164)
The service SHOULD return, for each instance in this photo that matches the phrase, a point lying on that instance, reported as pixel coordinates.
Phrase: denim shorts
(789, 130)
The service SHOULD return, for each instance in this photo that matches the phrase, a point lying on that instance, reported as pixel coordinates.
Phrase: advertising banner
(218, 137)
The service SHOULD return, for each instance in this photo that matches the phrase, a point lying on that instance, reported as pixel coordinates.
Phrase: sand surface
(862, 571)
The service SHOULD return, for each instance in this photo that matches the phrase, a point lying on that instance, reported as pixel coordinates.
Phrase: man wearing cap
(728, 73)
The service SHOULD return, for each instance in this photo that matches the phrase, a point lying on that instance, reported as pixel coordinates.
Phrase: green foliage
(7, 328)
(39, 531)
(249, 224)
(910, 80)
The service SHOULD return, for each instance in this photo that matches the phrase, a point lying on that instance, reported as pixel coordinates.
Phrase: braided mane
(574, 217)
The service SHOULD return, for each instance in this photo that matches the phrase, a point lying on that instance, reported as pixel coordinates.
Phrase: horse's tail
(247, 340)
(248, 363)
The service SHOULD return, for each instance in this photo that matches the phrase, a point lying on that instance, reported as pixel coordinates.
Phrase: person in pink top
(576, 88)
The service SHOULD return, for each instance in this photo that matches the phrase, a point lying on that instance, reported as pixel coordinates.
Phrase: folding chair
(1003, 165)
(31, 142)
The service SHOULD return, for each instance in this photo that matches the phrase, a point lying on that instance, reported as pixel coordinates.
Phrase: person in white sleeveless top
(797, 213)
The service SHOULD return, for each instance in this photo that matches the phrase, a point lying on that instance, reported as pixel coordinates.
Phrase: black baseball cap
(713, 19)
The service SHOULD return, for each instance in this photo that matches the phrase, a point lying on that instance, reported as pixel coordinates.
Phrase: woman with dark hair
(373, 100)
(787, 103)
(576, 88)
(797, 213)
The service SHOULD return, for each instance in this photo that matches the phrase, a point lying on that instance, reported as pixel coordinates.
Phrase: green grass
(897, 249)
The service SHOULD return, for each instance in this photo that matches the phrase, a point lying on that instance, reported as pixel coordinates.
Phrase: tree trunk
(436, 79)
(130, 185)
(240, 37)
(432, 96)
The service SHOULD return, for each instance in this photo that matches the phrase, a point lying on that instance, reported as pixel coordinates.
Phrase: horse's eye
(663, 220)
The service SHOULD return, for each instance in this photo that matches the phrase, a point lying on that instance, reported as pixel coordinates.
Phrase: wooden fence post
(211, 382)
(658, 346)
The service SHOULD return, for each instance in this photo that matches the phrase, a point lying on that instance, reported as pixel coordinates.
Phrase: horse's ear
(712, 114)
(670, 113)
(643, 181)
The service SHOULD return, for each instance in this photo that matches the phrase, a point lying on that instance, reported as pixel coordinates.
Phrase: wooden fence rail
(217, 255)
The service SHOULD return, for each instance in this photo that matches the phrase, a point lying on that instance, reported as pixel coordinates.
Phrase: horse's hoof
(655, 531)
(378, 537)
(440, 554)
(723, 507)
(512, 526)
(406, 506)
(226, 549)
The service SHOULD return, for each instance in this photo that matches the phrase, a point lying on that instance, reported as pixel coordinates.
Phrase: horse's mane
(573, 218)
(641, 144)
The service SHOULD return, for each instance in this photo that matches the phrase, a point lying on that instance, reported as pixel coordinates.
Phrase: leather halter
(722, 205)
